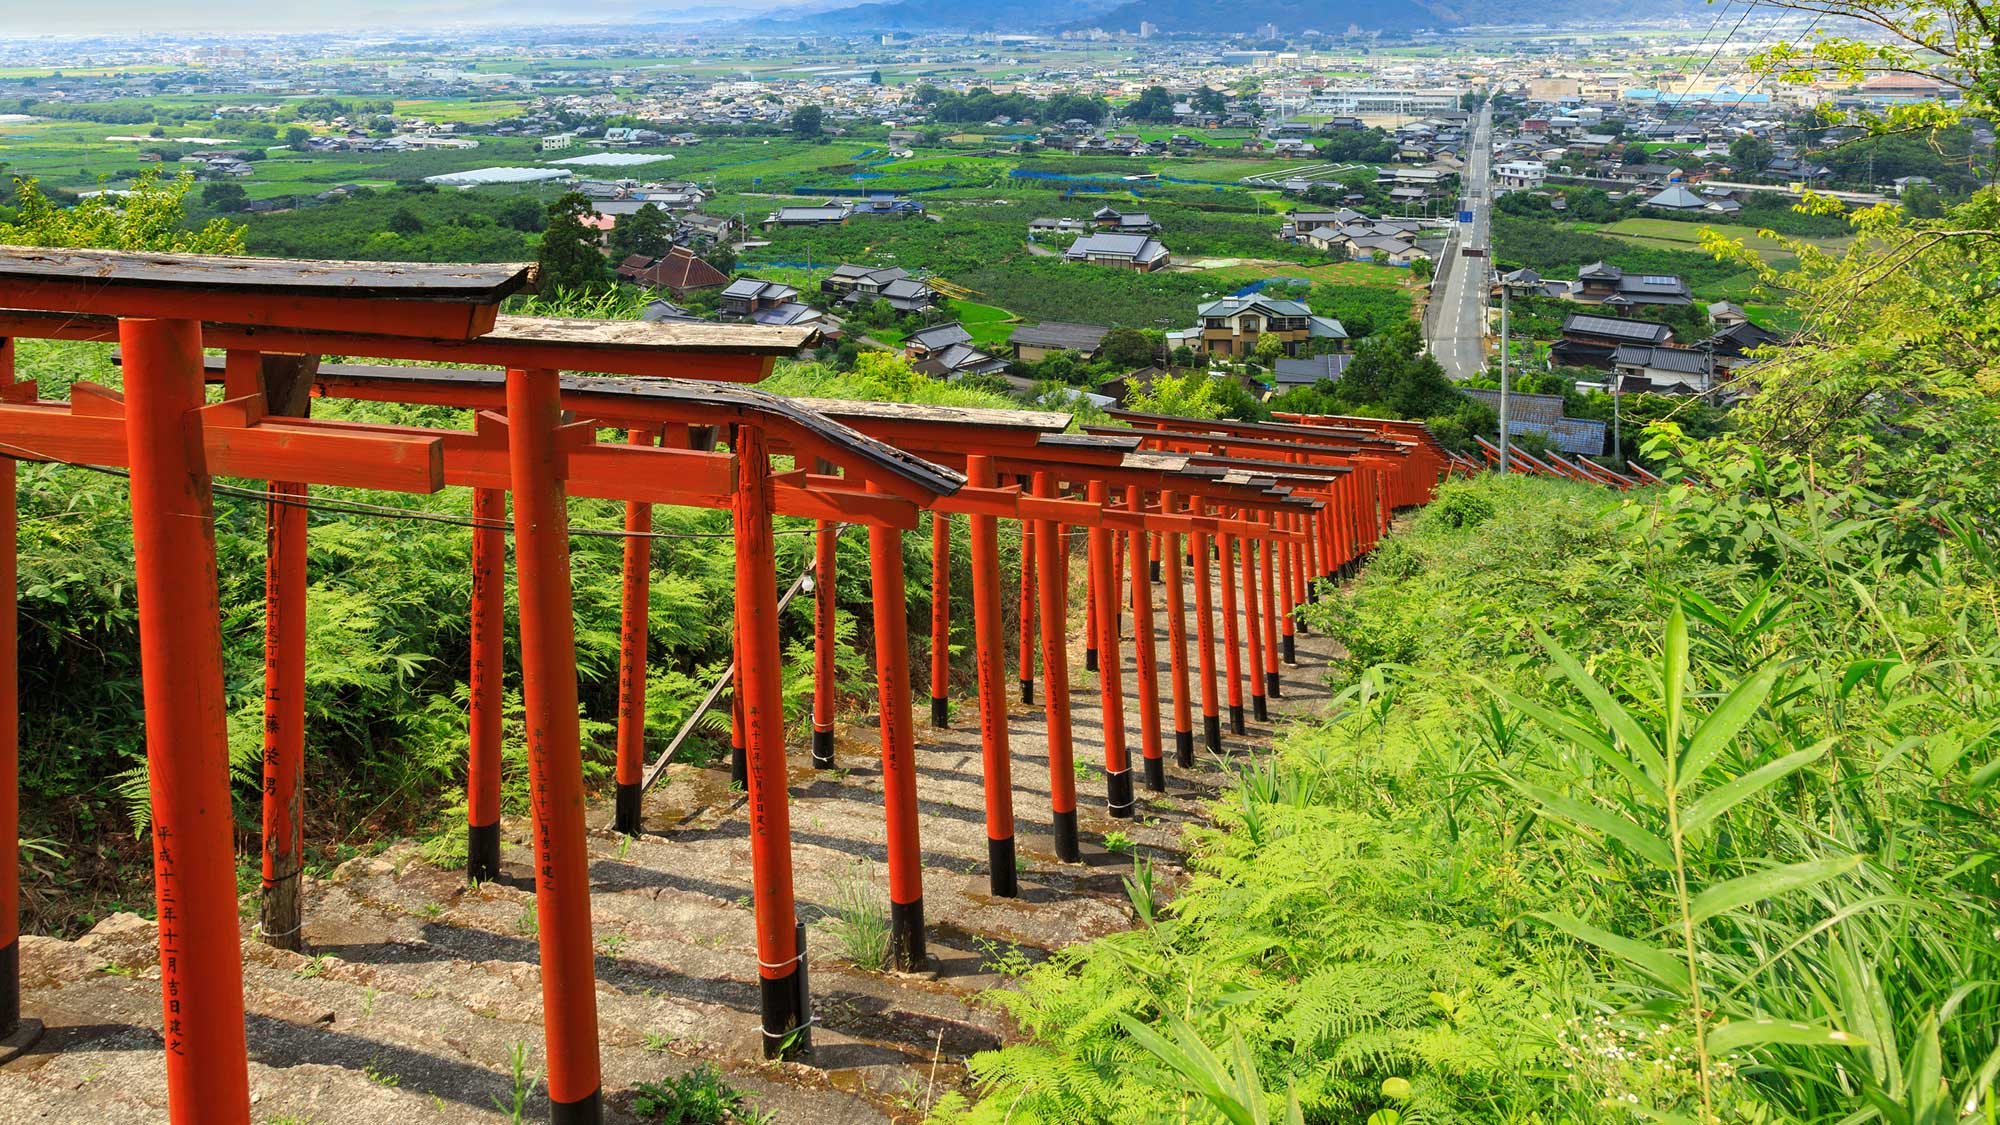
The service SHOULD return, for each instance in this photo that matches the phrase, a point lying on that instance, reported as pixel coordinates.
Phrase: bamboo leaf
(1741, 788)
(1657, 963)
(1738, 1034)
(1674, 666)
(1577, 734)
(1724, 723)
(1599, 819)
(1768, 883)
(1639, 743)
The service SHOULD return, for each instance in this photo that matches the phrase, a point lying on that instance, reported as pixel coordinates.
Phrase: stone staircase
(417, 993)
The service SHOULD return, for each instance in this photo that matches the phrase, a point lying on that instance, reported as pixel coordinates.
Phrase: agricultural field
(1678, 234)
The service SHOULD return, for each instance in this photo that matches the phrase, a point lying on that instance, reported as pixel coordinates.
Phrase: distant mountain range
(1207, 16)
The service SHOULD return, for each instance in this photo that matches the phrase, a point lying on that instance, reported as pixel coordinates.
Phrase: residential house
(1543, 415)
(1304, 371)
(1522, 174)
(679, 271)
(747, 296)
(1593, 341)
(1033, 342)
(1603, 283)
(1662, 369)
(861, 285)
(945, 351)
(937, 337)
(1057, 226)
(1135, 222)
(1233, 325)
(1676, 198)
(889, 207)
(1127, 251)
(710, 228)
(812, 215)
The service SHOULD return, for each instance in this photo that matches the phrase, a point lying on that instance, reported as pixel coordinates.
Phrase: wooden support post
(1270, 619)
(739, 753)
(899, 767)
(780, 954)
(12, 1030)
(633, 633)
(1177, 654)
(1288, 604)
(990, 645)
(1051, 559)
(1026, 663)
(1146, 654)
(940, 619)
(1232, 648)
(1111, 696)
(285, 383)
(1204, 630)
(281, 918)
(1089, 608)
(824, 544)
(489, 610)
(1253, 631)
(548, 692)
(187, 743)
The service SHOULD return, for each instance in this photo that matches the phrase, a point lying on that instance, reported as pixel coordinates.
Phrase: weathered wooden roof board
(443, 302)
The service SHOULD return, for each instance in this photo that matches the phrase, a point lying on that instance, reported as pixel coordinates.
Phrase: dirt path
(417, 990)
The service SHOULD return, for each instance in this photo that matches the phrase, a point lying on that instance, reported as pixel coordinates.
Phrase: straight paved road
(1458, 337)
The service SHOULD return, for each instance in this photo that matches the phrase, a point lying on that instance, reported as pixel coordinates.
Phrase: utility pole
(1504, 444)
(1617, 435)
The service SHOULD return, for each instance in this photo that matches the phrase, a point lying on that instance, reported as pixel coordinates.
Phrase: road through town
(1458, 332)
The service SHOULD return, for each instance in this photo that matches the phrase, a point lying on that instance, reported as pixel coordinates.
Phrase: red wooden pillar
(824, 544)
(1287, 588)
(1177, 655)
(990, 645)
(187, 746)
(1051, 543)
(633, 633)
(1204, 630)
(1089, 609)
(1253, 630)
(281, 918)
(940, 619)
(739, 752)
(1026, 662)
(1111, 696)
(780, 957)
(899, 767)
(1146, 654)
(1270, 622)
(548, 692)
(1232, 648)
(10, 736)
(489, 610)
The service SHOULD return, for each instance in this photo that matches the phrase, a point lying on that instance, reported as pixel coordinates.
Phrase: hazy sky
(110, 17)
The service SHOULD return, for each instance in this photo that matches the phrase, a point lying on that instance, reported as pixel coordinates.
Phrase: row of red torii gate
(1259, 512)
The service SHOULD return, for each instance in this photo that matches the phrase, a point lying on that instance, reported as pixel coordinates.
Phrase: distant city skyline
(142, 17)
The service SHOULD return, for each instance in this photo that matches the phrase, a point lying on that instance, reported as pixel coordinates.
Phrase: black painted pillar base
(626, 818)
(1156, 570)
(482, 852)
(10, 986)
(1064, 831)
(1236, 718)
(739, 768)
(1001, 873)
(822, 750)
(1272, 687)
(1211, 732)
(783, 1005)
(1027, 691)
(589, 1111)
(1184, 748)
(1090, 660)
(1257, 709)
(1290, 649)
(1156, 774)
(906, 936)
(1118, 793)
(940, 713)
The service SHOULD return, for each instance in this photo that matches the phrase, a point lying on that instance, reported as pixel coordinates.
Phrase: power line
(383, 511)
